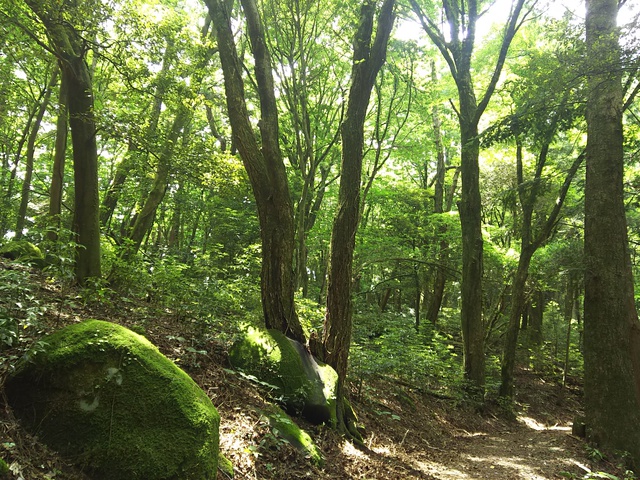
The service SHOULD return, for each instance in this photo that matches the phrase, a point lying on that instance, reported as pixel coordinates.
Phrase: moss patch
(107, 399)
(22, 250)
(225, 466)
(303, 385)
(286, 428)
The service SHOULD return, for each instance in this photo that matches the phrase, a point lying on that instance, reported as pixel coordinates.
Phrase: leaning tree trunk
(611, 326)
(31, 150)
(367, 61)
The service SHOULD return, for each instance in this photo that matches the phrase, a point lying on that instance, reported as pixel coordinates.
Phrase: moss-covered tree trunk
(611, 327)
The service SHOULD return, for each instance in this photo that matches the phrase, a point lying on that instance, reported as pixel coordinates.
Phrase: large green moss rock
(22, 250)
(303, 384)
(108, 400)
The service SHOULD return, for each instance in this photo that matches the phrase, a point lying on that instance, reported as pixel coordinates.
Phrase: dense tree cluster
(403, 178)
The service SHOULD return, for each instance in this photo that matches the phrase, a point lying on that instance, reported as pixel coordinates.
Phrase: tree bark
(611, 327)
(59, 160)
(31, 150)
(368, 59)
(264, 164)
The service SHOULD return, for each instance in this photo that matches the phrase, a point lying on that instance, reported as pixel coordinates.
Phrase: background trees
(212, 147)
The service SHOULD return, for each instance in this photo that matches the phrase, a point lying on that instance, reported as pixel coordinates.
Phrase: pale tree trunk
(368, 59)
(611, 327)
(31, 150)
(264, 164)
(59, 158)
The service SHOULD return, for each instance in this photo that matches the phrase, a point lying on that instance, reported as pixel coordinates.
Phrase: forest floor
(409, 433)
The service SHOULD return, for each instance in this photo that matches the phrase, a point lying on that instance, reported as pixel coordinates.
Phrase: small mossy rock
(304, 385)
(4, 469)
(22, 250)
(282, 425)
(225, 466)
(107, 399)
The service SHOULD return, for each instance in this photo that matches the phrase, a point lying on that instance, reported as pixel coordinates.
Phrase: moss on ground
(225, 466)
(286, 428)
(107, 399)
(4, 468)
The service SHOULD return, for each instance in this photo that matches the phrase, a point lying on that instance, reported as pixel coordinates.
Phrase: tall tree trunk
(144, 220)
(611, 327)
(264, 164)
(70, 50)
(31, 150)
(59, 158)
(86, 217)
(440, 278)
(368, 59)
(457, 52)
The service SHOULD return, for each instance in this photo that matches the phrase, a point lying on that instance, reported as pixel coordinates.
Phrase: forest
(439, 199)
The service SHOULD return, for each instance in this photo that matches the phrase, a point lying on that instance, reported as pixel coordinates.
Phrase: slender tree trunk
(144, 219)
(31, 150)
(611, 327)
(367, 61)
(438, 207)
(59, 158)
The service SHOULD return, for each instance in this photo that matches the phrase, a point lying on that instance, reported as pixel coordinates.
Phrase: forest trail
(527, 451)
(410, 432)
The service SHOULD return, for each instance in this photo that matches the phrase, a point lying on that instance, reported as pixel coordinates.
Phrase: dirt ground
(409, 433)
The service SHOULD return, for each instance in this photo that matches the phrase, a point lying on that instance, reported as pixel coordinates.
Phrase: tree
(368, 57)
(70, 48)
(456, 46)
(264, 164)
(611, 326)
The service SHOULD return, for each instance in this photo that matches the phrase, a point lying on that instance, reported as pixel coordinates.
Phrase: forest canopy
(400, 185)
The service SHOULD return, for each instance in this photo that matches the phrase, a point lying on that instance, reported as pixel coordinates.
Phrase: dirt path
(527, 450)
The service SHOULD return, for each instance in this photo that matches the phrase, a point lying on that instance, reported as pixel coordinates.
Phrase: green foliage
(21, 314)
(388, 345)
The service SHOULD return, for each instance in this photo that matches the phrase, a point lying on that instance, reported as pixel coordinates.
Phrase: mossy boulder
(107, 399)
(22, 250)
(303, 385)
